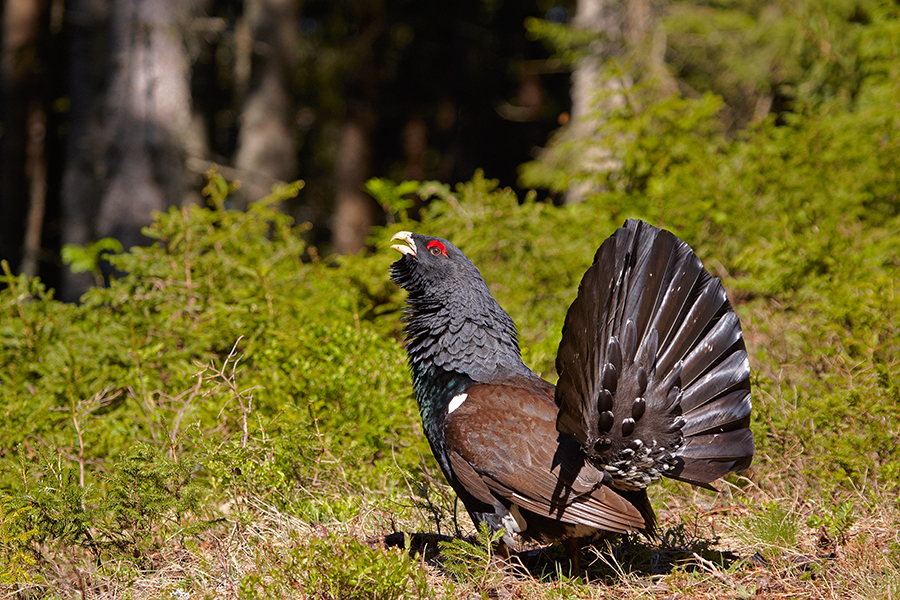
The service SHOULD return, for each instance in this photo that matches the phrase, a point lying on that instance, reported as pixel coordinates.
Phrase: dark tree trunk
(88, 26)
(354, 212)
(130, 127)
(23, 116)
(267, 147)
(415, 145)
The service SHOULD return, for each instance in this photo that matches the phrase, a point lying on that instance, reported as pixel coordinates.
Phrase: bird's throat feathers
(476, 339)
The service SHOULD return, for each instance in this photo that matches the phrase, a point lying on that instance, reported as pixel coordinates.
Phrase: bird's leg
(502, 550)
(572, 547)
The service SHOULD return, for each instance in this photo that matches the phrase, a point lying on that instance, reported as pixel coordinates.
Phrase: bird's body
(654, 381)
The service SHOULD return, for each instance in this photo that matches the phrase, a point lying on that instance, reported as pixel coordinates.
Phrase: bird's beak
(410, 248)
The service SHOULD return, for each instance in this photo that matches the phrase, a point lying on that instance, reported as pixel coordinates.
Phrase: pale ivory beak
(410, 247)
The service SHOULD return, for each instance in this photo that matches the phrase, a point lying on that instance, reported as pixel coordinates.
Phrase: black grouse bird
(653, 381)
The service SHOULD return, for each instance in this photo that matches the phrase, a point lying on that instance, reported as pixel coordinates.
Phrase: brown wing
(503, 442)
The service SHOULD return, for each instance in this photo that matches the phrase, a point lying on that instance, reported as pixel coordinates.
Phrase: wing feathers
(503, 443)
(591, 511)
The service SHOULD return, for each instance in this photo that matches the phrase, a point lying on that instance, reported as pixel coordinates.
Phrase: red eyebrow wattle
(438, 245)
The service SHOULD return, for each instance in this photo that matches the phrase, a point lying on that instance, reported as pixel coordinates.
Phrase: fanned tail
(653, 372)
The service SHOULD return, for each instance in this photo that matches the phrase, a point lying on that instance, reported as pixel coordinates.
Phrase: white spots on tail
(456, 402)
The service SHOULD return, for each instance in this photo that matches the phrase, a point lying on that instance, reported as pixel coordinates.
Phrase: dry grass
(726, 546)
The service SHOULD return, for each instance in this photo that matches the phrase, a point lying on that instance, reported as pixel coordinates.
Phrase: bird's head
(452, 321)
(432, 266)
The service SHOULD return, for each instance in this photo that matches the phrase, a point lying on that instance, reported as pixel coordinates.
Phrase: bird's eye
(436, 248)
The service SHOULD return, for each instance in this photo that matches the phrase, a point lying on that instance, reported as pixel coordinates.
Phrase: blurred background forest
(110, 110)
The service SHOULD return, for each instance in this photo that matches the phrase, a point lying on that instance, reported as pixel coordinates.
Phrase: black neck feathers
(481, 345)
(435, 388)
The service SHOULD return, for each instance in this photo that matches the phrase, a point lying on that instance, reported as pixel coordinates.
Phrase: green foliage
(146, 491)
(335, 568)
(149, 500)
(81, 259)
(15, 562)
(835, 521)
(59, 503)
(651, 137)
(808, 52)
(771, 530)
(436, 502)
(567, 43)
(395, 199)
(474, 564)
(219, 367)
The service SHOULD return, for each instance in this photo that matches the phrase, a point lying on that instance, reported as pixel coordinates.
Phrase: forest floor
(737, 544)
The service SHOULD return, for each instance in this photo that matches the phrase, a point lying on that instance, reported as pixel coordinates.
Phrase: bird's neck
(476, 339)
(435, 388)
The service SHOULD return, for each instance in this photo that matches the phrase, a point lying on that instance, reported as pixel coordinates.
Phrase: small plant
(433, 498)
(149, 500)
(835, 522)
(395, 199)
(16, 563)
(59, 510)
(335, 568)
(81, 259)
(772, 530)
(473, 564)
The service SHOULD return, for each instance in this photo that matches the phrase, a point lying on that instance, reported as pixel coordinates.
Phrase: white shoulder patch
(456, 402)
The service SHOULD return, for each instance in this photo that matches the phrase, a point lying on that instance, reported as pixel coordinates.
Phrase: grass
(708, 548)
(232, 418)
(326, 532)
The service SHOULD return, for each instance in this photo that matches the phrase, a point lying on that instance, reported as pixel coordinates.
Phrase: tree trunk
(88, 26)
(130, 121)
(622, 28)
(150, 120)
(354, 212)
(22, 181)
(267, 147)
(594, 91)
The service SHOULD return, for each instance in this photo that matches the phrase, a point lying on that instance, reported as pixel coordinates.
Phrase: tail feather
(707, 302)
(719, 344)
(646, 279)
(708, 457)
(732, 372)
(652, 364)
(727, 413)
(687, 276)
